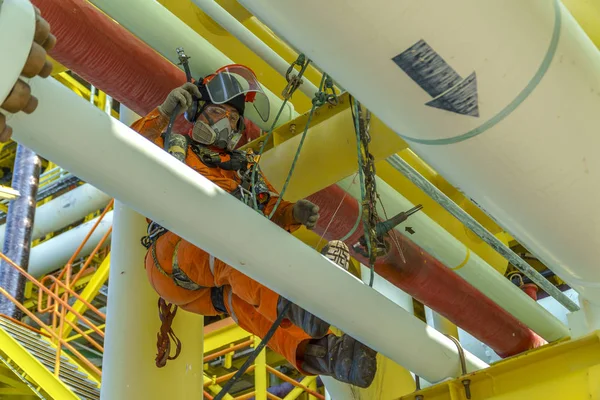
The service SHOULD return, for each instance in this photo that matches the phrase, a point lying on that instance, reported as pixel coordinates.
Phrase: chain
(290, 89)
(366, 164)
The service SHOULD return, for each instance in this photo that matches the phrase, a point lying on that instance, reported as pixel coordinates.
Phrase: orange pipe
(67, 270)
(77, 295)
(91, 256)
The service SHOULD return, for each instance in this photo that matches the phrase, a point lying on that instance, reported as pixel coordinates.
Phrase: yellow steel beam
(34, 369)
(587, 13)
(8, 193)
(309, 381)
(567, 370)
(74, 85)
(232, 48)
(260, 372)
(329, 151)
(221, 334)
(9, 393)
(57, 67)
(91, 290)
(88, 332)
(7, 378)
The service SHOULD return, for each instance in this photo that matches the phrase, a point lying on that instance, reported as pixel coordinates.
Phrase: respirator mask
(218, 134)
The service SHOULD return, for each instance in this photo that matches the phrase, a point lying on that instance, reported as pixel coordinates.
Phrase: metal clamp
(463, 365)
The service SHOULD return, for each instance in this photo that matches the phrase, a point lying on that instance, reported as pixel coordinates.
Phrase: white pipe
(435, 240)
(244, 35)
(388, 289)
(132, 323)
(164, 32)
(529, 158)
(54, 253)
(65, 210)
(143, 176)
(15, 16)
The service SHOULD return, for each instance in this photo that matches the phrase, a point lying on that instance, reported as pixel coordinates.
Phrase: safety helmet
(233, 84)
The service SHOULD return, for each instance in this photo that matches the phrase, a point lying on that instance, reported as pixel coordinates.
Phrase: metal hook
(463, 365)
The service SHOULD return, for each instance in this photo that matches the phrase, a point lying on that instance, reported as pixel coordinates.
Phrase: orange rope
(166, 334)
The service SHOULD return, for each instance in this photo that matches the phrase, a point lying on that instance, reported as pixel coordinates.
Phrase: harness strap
(178, 276)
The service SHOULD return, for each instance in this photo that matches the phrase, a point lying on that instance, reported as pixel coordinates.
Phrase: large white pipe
(528, 154)
(455, 255)
(163, 31)
(132, 323)
(54, 253)
(65, 210)
(245, 35)
(16, 15)
(143, 176)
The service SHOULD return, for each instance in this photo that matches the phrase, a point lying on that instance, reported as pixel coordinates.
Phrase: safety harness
(238, 160)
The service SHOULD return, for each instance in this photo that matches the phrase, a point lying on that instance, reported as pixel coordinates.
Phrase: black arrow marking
(432, 73)
(409, 230)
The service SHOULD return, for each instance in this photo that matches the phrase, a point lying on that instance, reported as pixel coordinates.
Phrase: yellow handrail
(218, 380)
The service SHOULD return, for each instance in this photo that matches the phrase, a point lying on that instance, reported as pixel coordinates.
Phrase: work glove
(306, 213)
(182, 97)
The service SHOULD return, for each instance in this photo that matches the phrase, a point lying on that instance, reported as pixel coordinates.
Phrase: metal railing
(261, 371)
(57, 291)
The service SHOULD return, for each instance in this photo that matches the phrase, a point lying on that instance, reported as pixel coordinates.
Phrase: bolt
(419, 397)
(293, 129)
(467, 384)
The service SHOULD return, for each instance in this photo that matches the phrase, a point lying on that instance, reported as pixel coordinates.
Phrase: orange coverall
(250, 304)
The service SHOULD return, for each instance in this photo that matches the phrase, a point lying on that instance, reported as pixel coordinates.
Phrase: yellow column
(312, 386)
(260, 373)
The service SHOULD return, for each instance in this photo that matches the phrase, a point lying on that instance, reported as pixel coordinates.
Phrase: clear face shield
(234, 80)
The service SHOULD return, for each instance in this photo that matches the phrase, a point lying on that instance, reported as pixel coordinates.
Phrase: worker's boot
(338, 252)
(342, 358)
(314, 326)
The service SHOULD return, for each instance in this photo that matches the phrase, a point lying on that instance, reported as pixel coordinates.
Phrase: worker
(189, 277)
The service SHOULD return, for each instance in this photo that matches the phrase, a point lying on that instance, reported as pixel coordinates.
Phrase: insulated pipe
(435, 240)
(19, 225)
(514, 122)
(114, 60)
(426, 279)
(158, 28)
(244, 35)
(67, 118)
(55, 253)
(65, 210)
(413, 175)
